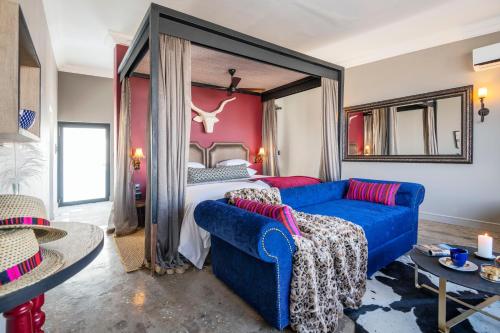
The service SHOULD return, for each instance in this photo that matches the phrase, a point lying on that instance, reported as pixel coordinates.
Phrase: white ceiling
(346, 32)
(211, 67)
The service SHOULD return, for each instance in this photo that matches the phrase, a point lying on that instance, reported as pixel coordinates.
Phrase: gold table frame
(444, 326)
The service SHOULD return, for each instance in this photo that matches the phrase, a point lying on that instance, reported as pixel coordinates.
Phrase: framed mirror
(433, 127)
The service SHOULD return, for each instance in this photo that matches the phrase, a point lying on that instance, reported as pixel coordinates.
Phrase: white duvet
(194, 241)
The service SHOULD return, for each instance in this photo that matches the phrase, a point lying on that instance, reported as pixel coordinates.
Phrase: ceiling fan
(233, 86)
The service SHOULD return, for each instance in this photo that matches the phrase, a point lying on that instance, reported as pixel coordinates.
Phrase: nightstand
(140, 205)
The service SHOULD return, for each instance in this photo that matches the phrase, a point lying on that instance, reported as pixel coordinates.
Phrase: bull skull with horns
(209, 118)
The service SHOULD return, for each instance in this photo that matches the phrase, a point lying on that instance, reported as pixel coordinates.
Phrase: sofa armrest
(254, 234)
(409, 194)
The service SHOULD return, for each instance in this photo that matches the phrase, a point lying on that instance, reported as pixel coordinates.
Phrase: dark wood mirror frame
(465, 92)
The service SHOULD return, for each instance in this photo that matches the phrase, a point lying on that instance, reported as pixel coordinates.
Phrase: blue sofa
(252, 254)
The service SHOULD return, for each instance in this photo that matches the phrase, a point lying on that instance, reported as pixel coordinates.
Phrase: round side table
(23, 308)
(470, 280)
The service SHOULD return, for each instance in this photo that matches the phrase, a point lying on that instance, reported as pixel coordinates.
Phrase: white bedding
(194, 241)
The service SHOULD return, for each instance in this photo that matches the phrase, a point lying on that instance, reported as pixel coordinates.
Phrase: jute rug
(131, 250)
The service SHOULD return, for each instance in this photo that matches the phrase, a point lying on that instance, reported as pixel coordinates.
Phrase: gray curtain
(330, 163)
(174, 123)
(393, 130)
(270, 164)
(430, 131)
(123, 217)
(368, 134)
(380, 140)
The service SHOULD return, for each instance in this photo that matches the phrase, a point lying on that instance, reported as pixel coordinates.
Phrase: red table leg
(19, 319)
(37, 315)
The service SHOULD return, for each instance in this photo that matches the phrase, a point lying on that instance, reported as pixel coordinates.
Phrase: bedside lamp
(137, 155)
(483, 112)
(260, 155)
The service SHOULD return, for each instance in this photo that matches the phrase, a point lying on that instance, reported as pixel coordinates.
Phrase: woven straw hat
(25, 212)
(22, 261)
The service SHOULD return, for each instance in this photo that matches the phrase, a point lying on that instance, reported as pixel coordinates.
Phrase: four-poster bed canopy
(160, 21)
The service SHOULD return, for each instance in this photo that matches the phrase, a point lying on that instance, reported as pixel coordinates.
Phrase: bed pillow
(251, 172)
(280, 213)
(269, 196)
(197, 175)
(196, 165)
(383, 193)
(233, 162)
(291, 181)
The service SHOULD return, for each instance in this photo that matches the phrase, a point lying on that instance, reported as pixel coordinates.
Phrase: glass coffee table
(470, 280)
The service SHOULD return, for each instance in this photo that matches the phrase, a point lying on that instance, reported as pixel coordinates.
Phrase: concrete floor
(103, 298)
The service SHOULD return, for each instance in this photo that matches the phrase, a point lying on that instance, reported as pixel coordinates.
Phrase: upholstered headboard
(197, 153)
(220, 151)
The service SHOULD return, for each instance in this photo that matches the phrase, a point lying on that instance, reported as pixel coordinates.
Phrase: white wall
(43, 187)
(410, 132)
(88, 99)
(455, 192)
(299, 133)
(448, 120)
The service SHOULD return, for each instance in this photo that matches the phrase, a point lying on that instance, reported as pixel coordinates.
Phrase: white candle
(485, 246)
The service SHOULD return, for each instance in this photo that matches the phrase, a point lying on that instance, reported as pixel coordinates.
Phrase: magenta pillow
(279, 213)
(373, 192)
(291, 181)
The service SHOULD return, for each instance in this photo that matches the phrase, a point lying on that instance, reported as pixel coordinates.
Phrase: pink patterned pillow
(373, 192)
(279, 213)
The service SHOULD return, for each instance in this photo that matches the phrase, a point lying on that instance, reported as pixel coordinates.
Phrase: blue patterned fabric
(26, 118)
(252, 254)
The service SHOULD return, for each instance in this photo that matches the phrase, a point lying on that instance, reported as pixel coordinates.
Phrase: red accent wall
(356, 131)
(240, 121)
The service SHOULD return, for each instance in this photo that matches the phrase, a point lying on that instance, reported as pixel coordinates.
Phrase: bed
(194, 242)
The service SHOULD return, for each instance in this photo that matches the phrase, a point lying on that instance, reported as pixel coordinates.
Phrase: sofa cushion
(373, 192)
(280, 213)
(381, 223)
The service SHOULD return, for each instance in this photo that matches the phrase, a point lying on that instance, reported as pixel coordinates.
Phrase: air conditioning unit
(486, 57)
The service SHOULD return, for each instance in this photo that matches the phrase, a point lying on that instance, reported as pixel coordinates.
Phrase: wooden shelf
(20, 76)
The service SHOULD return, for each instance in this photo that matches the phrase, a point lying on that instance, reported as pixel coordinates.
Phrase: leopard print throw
(270, 196)
(329, 265)
(329, 272)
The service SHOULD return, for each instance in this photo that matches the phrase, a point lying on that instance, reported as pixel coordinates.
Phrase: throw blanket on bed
(329, 272)
(291, 181)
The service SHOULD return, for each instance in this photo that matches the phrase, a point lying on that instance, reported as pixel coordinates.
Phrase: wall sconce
(137, 155)
(260, 155)
(483, 112)
(367, 150)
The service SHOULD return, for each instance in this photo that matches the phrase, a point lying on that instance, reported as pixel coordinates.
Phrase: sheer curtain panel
(123, 217)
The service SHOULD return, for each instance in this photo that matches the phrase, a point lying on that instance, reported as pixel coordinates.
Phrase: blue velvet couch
(252, 254)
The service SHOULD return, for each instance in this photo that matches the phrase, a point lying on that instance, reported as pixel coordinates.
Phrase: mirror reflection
(427, 127)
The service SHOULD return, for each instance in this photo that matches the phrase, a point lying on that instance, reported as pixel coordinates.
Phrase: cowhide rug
(393, 304)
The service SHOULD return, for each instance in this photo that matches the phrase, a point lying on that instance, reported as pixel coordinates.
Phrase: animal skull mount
(209, 118)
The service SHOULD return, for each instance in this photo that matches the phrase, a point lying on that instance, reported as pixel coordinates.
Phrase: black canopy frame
(162, 20)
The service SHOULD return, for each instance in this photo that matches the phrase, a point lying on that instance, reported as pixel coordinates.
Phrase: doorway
(83, 163)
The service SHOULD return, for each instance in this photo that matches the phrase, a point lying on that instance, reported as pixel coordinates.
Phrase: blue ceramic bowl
(26, 118)
(459, 256)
